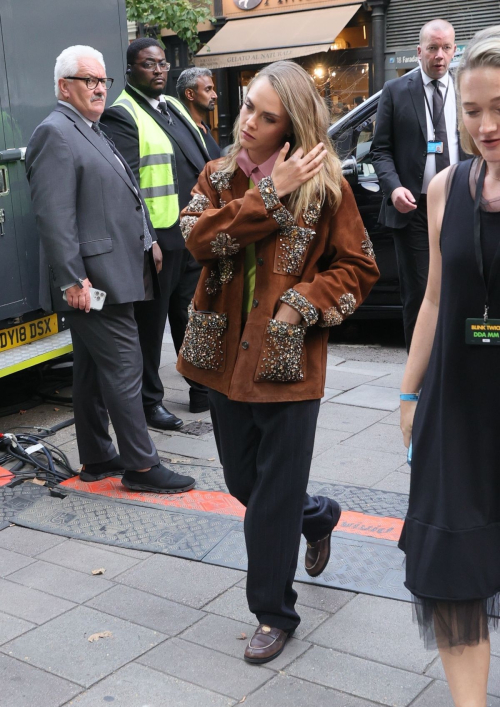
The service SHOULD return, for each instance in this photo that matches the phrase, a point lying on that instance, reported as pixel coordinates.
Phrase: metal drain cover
(197, 428)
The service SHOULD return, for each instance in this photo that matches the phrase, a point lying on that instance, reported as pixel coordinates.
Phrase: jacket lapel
(416, 88)
(96, 141)
(194, 132)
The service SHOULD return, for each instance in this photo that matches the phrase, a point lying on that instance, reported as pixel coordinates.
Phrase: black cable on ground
(43, 459)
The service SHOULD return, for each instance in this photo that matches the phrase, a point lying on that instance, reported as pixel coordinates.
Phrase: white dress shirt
(450, 116)
(153, 102)
(75, 110)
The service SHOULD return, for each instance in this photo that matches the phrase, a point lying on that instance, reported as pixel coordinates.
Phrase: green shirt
(249, 275)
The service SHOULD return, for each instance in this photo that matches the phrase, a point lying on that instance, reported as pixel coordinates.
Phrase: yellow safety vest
(156, 158)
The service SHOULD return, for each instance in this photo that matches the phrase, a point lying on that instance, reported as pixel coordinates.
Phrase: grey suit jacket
(88, 213)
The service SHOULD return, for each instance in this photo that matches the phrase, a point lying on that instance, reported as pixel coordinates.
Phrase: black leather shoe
(159, 417)
(101, 470)
(159, 479)
(318, 553)
(198, 401)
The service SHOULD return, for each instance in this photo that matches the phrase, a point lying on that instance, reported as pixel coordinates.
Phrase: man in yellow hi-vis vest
(166, 151)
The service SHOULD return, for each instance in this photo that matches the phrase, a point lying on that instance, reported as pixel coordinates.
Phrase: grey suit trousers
(107, 378)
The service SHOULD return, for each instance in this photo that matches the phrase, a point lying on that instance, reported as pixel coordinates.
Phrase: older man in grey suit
(95, 232)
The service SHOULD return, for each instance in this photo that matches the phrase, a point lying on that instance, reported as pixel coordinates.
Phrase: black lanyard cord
(477, 242)
(435, 123)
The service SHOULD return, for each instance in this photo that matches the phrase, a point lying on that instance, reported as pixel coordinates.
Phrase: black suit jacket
(88, 213)
(190, 155)
(399, 147)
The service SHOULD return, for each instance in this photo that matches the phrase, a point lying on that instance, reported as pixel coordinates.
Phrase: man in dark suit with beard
(95, 232)
(166, 151)
(415, 137)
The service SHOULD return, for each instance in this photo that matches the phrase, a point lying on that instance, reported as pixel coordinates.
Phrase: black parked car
(352, 136)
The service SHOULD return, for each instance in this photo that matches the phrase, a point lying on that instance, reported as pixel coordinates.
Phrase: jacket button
(138, 208)
(260, 261)
(245, 344)
(141, 238)
(255, 303)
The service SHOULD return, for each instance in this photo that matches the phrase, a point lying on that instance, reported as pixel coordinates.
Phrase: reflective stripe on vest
(156, 155)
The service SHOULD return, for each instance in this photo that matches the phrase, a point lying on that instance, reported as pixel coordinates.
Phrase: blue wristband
(408, 396)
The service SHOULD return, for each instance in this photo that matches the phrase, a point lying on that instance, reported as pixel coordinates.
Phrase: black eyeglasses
(92, 82)
(151, 65)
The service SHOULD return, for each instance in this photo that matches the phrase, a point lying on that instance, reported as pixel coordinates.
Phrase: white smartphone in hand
(97, 298)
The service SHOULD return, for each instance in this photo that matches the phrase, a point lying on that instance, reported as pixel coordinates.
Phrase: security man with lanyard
(166, 152)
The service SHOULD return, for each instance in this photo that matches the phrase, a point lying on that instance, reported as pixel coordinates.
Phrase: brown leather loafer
(266, 644)
(318, 553)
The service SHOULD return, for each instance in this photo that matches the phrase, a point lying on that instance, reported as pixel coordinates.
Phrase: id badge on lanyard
(482, 331)
(436, 147)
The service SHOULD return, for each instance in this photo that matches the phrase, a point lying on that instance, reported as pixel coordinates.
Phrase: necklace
(497, 179)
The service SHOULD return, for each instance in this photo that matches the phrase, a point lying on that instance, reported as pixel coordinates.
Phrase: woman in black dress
(451, 535)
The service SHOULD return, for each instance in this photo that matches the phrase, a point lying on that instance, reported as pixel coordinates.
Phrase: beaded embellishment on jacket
(268, 193)
(367, 246)
(224, 247)
(282, 356)
(302, 305)
(331, 317)
(187, 224)
(347, 303)
(203, 342)
(198, 204)
(220, 182)
(312, 213)
(293, 242)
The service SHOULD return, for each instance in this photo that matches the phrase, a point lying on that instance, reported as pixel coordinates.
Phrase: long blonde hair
(482, 50)
(310, 119)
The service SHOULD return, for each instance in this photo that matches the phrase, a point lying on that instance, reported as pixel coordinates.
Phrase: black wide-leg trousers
(266, 451)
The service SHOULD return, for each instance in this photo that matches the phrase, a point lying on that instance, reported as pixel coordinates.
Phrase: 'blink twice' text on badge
(477, 331)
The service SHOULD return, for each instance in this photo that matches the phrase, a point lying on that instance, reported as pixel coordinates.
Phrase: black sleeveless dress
(451, 534)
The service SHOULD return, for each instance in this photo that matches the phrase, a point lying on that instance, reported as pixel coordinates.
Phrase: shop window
(351, 38)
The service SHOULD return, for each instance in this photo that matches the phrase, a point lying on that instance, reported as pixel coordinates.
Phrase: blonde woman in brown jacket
(285, 256)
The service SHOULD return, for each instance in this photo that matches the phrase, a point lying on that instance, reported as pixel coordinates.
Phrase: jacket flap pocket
(97, 247)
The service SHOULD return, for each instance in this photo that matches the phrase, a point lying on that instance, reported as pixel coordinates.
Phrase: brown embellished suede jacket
(323, 266)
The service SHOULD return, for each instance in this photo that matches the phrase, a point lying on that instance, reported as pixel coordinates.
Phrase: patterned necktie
(442, 159)
(162, 107)
(148, 241)
(106, 141)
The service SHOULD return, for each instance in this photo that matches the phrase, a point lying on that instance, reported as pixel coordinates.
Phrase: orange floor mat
(372, 526)
(195, 500)
(5, 476)
(224, 504)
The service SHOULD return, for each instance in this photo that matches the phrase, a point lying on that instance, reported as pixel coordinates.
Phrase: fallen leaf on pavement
(242, 700)
(96, 636)
(211, 459)
(242, 636)
(22, 412)
(101, 570)
(56, 409)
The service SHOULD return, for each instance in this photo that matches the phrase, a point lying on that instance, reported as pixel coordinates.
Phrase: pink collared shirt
(253, 171)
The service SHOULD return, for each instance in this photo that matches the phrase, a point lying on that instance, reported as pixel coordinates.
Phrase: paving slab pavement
(179, 627)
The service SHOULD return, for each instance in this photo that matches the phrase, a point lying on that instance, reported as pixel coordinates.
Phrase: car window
(361, 146)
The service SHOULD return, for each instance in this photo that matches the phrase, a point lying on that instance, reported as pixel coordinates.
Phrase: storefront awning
(267, 38)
